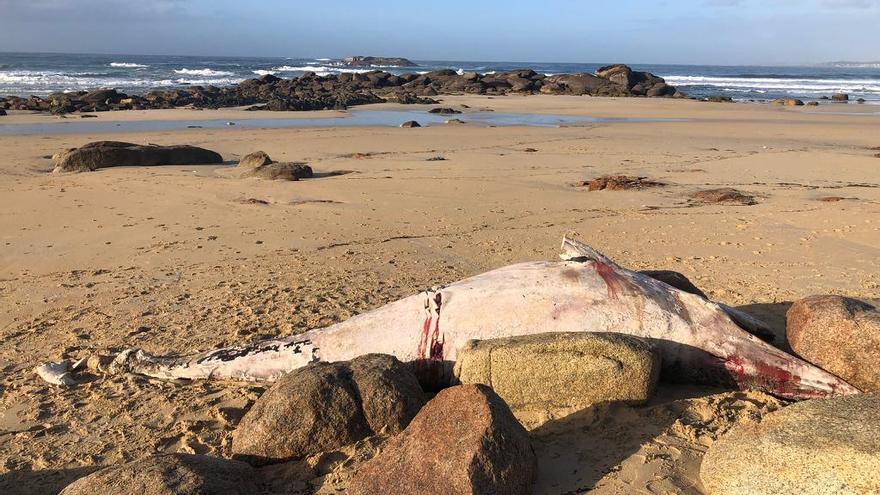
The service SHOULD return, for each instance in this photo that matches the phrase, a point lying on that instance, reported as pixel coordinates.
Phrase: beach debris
(325, 406)
(253, 201)
(815, 447)
(88, 116)
(58, 373)
(724, 195)
(586, 291)
(832, 199)
(410, 124)
(464, 441)
(618, 183)
(437, 158)
(788, 102)
(170, 474)
(259, 164)
(444, 111)
(840, 334)
(558, 371)
(103, 154)
(230, 123)
(530, 150)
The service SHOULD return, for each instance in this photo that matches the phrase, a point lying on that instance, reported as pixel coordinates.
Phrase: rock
(676, 280)
(840, 97)
(788, 102)
(2, 112)
(724, 195)
(813, 104)
(255, 160)
(325, 406)
(562, 370)
(464, 441)
(309, 410)
(444, 111)
(103, 154)
(618, 74)
(719, 99)
(455, 121)
(618, 183)
(410, 124)
(170, 474)
(840, 335)
(360, 61)
(861, 100)
(280, 171)
(389, 391)
(815, 447)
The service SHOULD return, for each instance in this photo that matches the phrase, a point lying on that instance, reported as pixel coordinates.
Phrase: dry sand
(176, 259)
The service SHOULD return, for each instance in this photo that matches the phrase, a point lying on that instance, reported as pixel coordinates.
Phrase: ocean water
(40, 74)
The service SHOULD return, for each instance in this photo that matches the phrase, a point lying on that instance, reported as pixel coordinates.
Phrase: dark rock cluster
(339, 91)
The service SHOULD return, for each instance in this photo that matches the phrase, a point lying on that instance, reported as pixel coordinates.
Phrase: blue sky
(635, 31)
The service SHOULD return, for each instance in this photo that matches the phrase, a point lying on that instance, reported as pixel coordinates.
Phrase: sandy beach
(175, 259)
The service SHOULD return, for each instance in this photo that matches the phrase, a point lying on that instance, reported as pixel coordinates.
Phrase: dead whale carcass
(698, 339)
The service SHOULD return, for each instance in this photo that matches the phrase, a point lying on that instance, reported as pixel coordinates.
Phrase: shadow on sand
(41, 482)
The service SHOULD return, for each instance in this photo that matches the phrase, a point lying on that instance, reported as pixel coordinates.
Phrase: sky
(719, 32)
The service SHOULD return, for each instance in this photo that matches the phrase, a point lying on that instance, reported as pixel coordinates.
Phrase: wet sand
(177, 259)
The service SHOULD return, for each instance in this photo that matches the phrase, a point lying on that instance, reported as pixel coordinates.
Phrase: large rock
(816, 447)
(170, 474)
(839, 334)
(389, 392)
(103, 154)
(280, 171)
(618, 74)
(255, 160)
(562, 370)
(788, 102)
(325, 406)
(465, 441)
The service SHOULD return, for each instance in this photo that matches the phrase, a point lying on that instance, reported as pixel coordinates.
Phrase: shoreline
(189, 258)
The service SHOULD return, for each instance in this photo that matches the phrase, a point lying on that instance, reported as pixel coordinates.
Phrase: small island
(362, 61)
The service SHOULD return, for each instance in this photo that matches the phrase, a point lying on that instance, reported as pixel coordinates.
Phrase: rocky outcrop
(556, 371)
(325, 406)
(104, 154)
(815, 447)
(366, 61)
(339, 91)
(464, 441)
(840, 335)
(170, 474)
(724, 195)
(260, 165)
(618, 183)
